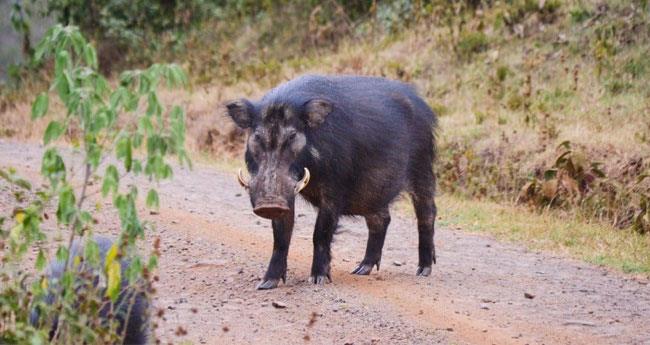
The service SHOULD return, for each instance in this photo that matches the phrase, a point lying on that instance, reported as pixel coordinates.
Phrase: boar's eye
(257, 141)
(291, 136)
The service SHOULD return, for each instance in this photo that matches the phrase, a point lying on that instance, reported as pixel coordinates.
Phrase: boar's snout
(271, 209)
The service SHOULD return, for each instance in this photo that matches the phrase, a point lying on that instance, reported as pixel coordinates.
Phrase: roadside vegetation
(121, 131)
(544, 106)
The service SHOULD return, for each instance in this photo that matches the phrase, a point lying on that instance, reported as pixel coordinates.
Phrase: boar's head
(277, 141)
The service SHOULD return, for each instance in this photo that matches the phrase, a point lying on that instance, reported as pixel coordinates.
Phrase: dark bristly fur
(137, 325)
(363, 139)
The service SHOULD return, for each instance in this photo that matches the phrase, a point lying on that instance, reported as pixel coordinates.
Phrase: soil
(214, 252)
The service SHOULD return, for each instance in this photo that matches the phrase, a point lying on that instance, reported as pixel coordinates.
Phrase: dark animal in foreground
(137, 322)
(349, 145)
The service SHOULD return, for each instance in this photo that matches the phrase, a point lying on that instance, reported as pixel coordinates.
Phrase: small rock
(171, 307)
(529, 295)
(278, 304)
(579, 323)
(397, 263)
(484, 306)
(449, 329)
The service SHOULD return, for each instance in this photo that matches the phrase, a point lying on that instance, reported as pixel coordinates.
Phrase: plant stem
(75, 221)
(82, 198)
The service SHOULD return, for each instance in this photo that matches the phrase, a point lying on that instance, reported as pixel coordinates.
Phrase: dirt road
(481, 291)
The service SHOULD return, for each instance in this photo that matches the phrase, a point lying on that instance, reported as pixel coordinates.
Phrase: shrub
(120, 120)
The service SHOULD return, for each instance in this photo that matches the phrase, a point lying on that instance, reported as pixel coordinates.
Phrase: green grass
(595, 243)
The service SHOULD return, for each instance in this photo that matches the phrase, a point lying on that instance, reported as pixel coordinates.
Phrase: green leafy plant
(471, 43)
(126, 121)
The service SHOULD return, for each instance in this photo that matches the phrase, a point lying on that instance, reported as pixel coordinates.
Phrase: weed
(471, 43)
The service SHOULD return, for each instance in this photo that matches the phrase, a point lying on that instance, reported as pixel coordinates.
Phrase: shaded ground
(215, 251)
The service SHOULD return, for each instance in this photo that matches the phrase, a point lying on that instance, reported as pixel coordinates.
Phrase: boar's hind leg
(282, 229)
(326, 223)
(377, 225)
(425, 210)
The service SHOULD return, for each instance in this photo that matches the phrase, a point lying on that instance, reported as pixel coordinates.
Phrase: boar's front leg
(282, 229)
(326, 223)
(377, 226)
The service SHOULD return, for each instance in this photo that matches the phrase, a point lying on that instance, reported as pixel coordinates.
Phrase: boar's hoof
(320, 280)
(268, 284)
(364, 269)
(423, 271)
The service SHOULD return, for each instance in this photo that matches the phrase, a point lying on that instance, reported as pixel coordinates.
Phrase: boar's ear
(242, 112)
(316, 111)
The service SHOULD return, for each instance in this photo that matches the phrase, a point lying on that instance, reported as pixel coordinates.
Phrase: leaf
(118, 97)
(134, 270)
(62, 62)
(23, 183)
(76, 261)
(40, 260)
(44, 283)
(550, 174)
(124, 151)
(153, 262)
(91, 253)
(137, 167)
(40, 106)
(20, 217)
(111, 180)
(66, 209)
(53, 167)
(114, 279)
(53, 132)
(93, 152)
(63, 84)
(177, 124)
(78, 42)
(152, 199)
(90, 55)
(113, 272)
(111, 255)
(154, 107)
(144, 124)
(62, 254)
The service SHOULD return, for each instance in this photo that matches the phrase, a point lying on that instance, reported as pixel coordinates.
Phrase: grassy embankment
(510, 85)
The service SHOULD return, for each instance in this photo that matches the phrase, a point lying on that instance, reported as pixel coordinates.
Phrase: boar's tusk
(303, 183)
(241, 180)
